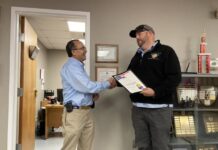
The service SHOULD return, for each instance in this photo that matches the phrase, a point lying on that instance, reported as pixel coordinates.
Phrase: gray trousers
(152, 128)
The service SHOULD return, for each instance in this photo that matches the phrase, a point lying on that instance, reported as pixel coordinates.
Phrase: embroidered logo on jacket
(154, 56)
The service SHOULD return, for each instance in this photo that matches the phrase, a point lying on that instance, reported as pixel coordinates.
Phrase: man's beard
(141, 42)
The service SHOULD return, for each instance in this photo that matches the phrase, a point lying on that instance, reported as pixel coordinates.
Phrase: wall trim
(14, 69)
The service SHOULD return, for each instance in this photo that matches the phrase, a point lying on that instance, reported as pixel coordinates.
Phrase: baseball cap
(141, 28)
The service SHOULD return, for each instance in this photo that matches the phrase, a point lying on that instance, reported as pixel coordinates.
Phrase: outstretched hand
(113, 82)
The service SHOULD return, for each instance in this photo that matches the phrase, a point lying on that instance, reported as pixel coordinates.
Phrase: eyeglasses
(81, 48)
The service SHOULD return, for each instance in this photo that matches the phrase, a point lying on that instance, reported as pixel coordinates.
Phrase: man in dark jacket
(157, 66)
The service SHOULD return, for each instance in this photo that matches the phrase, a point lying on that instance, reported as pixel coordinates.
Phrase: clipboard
(129, 81)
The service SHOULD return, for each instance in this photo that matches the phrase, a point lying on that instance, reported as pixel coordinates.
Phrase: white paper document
(130, 81)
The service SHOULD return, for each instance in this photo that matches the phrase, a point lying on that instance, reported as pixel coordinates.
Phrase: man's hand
(113, 82)
(148, 92)
(95, 96)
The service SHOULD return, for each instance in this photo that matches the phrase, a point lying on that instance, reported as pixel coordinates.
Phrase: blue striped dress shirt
(77, 86)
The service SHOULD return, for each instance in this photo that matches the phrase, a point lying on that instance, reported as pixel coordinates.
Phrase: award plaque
(210, 122)
(185, 94)
(184, 126)
(207, 147)
(207, 95)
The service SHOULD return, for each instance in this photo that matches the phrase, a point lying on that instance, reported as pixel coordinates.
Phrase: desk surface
(53, 116)
(53, 106)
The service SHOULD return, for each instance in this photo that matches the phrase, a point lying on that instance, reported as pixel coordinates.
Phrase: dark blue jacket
(158, 69)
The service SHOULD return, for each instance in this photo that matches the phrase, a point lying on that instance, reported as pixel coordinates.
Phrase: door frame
(14, 69)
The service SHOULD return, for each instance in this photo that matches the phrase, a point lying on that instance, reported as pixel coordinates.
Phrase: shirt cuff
(106, 84)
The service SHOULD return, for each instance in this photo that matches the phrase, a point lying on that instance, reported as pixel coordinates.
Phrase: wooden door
(28, 83)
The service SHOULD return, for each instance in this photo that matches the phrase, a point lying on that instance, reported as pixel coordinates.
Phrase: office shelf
(205, 118)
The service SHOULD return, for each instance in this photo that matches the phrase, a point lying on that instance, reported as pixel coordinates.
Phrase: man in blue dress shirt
(79, 92)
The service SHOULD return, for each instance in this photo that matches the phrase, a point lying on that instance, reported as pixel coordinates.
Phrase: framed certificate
(207, 147)
(106, 53)
(104, 73)
(130, 81)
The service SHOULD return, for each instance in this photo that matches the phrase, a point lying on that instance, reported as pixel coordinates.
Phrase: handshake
(112, 82)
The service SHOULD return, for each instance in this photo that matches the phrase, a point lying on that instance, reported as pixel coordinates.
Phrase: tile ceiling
(53, 31)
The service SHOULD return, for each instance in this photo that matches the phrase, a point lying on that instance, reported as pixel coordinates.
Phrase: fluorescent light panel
(76, 26)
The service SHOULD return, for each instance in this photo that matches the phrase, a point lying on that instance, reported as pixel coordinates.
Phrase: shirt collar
(140, 50)
(75, 61)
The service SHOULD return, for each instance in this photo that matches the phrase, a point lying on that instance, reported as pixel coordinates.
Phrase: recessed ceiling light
(76, 26)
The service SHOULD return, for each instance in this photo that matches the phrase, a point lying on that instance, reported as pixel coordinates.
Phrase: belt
(82, 107)
(69, 107)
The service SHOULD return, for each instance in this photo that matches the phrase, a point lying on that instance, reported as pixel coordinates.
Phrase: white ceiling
(52, 31)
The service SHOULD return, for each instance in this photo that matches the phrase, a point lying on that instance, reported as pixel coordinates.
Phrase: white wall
(56, 59)
(42, 63)
(4, 72)
(178, 23)
(51, 61)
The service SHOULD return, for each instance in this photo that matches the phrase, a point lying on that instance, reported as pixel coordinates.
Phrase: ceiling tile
(53, 31)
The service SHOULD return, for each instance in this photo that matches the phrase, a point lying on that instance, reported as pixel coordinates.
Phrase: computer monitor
(48, 93)
(60, 95)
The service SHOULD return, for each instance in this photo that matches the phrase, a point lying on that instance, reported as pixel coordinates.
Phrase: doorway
(16, 12)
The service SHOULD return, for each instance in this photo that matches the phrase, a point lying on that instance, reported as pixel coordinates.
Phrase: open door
(28, 83)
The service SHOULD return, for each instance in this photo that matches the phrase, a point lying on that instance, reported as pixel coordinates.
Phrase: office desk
(53, 117)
